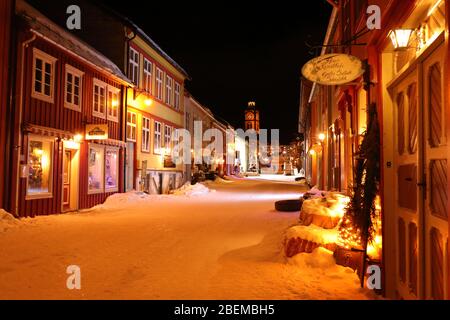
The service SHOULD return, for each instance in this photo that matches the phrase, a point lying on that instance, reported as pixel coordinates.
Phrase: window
(73, 88)
(157, 138)
(99, 109)
(112, 170)
(159, 84)
(113, 103)
(40, 167)
(96, 169)
(169, 90)
(134, 66)
(167, 137)
(145, 134)
(131, 126)
(148, 69)
(176, 102)
(43, 76)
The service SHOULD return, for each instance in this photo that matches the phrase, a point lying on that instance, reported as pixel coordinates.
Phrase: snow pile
(190, 190)
(329, 204)
(314, 234)
(122, 200)
(321, 259)
(7, 220)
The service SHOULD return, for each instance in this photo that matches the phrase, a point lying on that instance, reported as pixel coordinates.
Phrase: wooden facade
(6, 14)
(63, 126)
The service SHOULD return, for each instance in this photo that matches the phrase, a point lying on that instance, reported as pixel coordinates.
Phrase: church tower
(252, 117)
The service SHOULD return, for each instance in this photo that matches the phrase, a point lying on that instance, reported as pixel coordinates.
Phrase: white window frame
(75, 73)
(133, 125)
(168, 131)
(146, 134)
(97, 147)
(115, 189)
(169, 90)
(46, 58)
(109, 108)
(148, 73)
(177, 95)
(43, 195)
(134, 65)
(103, 85)
(159, 84)
(157, 137)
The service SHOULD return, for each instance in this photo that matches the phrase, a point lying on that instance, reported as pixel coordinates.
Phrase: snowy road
(221, 245)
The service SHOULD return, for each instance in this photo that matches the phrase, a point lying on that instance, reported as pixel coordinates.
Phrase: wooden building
(407, 67)
(68, 120)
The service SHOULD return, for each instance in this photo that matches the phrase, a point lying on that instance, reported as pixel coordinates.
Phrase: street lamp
(400, 38)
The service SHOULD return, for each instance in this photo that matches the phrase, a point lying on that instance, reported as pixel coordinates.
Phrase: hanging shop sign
(333, 69)
(96, 132)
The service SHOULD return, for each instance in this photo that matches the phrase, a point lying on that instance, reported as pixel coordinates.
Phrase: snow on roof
(44, 27)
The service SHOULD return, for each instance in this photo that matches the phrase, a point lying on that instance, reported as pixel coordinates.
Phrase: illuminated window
(145, 134)
(113, 103)
(159, 84)
(40, 167)
(134, 66)
(177, 100)
(43, 76)
(167, 137)
(112, 170)
(99, 105)
(96, 169)
(131, 126)
(169, 90)
(157, 138)
(148, 70)
(73, 88)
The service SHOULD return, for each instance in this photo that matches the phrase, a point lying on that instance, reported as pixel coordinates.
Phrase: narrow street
(222, 243)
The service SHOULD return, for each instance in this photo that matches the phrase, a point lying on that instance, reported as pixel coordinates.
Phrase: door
(67, 168)
(130, 166)
(421, 183)
(435, 178)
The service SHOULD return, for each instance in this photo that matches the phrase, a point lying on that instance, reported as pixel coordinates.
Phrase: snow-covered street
(222, 241)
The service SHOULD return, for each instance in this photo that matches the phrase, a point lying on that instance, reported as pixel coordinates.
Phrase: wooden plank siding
(56, 116)
(5, 37)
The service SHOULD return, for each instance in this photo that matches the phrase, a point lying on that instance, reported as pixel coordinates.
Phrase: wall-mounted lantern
(400, 38)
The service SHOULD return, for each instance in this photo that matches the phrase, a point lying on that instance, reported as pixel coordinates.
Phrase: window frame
(75, 73)
(148, 76)
(159, 84)
(134, 66)
(132, 125)
(115, 91)
(100, 84)
(168, 132)
(177, 95)
(117, 151)
(146, 132)
(41, 195)
(98, 147)
(157, 137)
(169, 90)
(46, 58)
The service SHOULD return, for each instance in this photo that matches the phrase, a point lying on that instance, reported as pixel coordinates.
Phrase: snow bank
(320, 258)
(314, 234)
(189, 190)
(7, 220)
(330, 205)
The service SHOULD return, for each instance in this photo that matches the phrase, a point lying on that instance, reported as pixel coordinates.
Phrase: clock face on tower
(250, 116)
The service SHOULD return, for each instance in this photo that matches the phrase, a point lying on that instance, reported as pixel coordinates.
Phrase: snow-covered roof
(47, 29)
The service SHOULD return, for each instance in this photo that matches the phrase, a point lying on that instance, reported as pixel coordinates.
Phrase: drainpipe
(17, 133)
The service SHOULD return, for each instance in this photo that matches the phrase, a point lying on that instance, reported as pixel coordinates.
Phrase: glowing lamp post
(400, 38)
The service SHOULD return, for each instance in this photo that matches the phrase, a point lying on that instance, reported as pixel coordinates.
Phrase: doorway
(70, 177)
(130, 166)
(421, 215)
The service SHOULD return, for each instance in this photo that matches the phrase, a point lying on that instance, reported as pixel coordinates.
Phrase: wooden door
(435, 178)
(67, 168)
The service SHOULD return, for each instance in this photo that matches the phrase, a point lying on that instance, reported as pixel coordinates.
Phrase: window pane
(40, 157)
(111, 169)
(96, 159)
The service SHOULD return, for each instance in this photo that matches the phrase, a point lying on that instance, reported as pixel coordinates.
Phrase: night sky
(237, 53)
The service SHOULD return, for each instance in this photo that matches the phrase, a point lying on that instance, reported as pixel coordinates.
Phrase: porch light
(312, 152)
(400, 38)
(148, 102)
(78, 138)
(322, 137)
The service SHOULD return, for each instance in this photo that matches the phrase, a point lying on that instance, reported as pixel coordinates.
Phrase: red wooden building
(68, 121)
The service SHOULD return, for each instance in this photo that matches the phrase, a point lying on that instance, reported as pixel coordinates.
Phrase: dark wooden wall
(6, 7)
